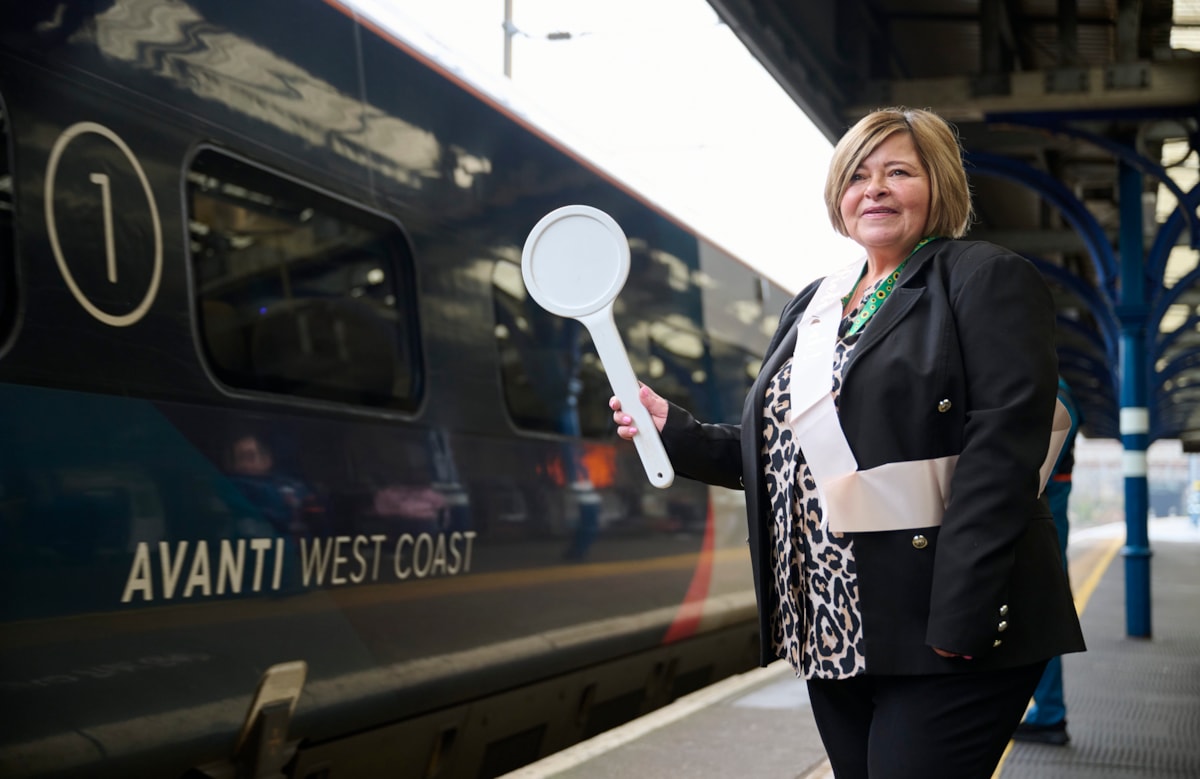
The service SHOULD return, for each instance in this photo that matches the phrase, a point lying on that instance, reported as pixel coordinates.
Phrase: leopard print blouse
(816, 622)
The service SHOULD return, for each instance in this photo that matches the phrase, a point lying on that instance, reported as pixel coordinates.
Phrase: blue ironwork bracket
(1129, 156)
(1073, 210)
(1100, 307)
(1163, 341)
(1168, 234)
(1167, 297)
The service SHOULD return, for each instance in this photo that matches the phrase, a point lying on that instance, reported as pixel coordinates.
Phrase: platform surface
(1133, 705)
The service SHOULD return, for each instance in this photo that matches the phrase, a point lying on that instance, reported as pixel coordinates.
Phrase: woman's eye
(898, 172)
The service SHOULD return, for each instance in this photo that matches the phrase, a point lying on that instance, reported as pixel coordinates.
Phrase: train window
(553, 379)
(693, 329)
(300, 293)
(680, 365)
(8, 254)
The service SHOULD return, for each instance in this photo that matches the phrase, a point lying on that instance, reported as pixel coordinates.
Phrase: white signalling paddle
(575, 262)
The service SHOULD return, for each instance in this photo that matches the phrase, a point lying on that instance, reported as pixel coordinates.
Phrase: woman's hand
(654, 403)
(944, 653)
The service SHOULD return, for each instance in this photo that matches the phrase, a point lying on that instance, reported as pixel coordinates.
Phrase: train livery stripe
(692, 609)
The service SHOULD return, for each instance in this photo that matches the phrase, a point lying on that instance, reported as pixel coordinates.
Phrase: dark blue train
(294, 478)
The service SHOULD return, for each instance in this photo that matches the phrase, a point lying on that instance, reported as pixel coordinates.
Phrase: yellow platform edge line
(1082, 595)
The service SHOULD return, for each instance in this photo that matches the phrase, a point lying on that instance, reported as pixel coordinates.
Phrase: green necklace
(881, 294)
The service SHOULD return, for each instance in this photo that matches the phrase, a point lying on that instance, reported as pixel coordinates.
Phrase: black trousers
(946, 726)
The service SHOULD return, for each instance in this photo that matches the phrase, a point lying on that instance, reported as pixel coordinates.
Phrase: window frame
(399, 261)
(10, 300)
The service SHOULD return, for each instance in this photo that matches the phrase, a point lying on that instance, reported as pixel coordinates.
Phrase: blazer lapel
(898, 304)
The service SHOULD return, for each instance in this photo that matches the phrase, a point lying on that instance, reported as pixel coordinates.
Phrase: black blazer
(960, 360)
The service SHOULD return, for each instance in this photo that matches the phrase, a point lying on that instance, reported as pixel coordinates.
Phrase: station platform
(1133, 705)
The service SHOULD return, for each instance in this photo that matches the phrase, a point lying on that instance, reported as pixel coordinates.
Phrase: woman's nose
(877, 186)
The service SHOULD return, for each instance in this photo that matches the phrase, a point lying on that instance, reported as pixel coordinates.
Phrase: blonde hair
(937, 146)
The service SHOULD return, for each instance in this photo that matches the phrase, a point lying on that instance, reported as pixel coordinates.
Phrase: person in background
(892, 451)
(1046, 720)
(286, 504)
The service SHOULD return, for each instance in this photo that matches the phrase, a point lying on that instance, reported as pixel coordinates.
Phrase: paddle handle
(625, 386)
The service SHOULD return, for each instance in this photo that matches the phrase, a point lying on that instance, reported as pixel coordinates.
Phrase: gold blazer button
(944, 406)
(1003, 626)
(996, 643)
(1004, 610)
(920, 542)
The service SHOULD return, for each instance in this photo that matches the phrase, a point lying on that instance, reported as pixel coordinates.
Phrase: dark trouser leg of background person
(588, 525)
(1046, 720)
(947, 726)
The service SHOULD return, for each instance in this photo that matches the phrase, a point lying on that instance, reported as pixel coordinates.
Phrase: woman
(904, 561)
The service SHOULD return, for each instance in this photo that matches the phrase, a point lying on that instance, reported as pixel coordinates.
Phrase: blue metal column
(1132, 310)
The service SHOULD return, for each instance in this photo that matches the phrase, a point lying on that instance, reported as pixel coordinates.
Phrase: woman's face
(886, 205)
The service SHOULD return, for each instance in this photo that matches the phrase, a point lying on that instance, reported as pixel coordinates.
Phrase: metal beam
(1068, 33)
(1129, 26)
(1169, 85)
(1039, 241)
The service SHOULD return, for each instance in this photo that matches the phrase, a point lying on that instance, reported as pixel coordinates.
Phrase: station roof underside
(1062, 106)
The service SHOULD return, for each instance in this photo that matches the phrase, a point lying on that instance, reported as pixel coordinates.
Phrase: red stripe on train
(692, 609)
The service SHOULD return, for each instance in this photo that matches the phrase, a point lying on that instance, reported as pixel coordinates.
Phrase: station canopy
(1081, 123)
